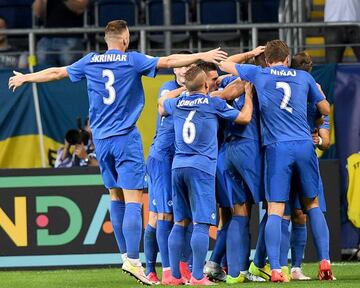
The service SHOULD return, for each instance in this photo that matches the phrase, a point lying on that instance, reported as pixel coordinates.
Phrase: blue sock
(273, 240)
(224, 261)
(117, 211)
(150, 248)
(320, 232)
(176, 242)
(200, 246)
(220, 244)
(186, 252)
(238, 245)
(260, 253)
(298, 243)
(162, 235)
(285, 242)
(132, 228)
(190, 261)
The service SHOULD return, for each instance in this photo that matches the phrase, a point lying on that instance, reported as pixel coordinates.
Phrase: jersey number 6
(108, 86)
(189, 130)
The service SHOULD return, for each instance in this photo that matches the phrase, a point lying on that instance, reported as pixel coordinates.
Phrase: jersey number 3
(287, 95)
(189, 129)
(108, 86)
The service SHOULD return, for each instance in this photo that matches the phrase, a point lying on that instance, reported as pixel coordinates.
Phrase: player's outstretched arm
(232, 91)
(228, 67)
(243, 57)
(245, 114)
(46, 75)
(181, 60)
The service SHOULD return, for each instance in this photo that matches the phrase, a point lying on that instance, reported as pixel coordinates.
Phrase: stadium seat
(18, 14)
(218, 12)
(108, 10)
(179, 16)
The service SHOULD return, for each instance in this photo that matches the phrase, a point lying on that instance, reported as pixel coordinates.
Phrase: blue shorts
(295, 200)
(121, 161)
(223, 181)
(282, 160)
(159, 181)
(245, 165)
(193, 195)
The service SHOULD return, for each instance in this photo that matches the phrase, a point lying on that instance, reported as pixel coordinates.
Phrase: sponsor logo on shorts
(170, 203)
(154, 202)
(213, 215)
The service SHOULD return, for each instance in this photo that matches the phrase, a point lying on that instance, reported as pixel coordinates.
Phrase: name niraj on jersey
(283, 72)
(194, 102)
(108, 58)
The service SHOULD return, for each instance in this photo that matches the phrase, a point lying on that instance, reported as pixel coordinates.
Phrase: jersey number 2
(189, 130)
(108, 86)
(287, 95)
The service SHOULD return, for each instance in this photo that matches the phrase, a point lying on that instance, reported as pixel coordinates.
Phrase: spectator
(83, 147)
(340, 11)
(10, 57)
(60, 14)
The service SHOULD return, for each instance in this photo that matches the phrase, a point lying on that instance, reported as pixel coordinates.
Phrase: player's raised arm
(180, 60)
(243, 57)
(231, 91)
(229, 67)
(46, 75)
(245, 114)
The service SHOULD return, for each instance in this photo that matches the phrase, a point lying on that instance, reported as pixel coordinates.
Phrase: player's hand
(214, 56)
(16, 81)
(315, 137)
(258, 50)
(249, 89)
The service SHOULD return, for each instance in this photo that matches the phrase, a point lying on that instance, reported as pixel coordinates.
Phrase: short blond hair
(195, 78)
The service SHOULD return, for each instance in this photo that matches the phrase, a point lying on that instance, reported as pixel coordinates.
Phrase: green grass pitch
(348, 275)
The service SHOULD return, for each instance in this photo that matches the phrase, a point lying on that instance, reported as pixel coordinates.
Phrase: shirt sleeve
(144, 64)
(224, 110)
(169, 105)
(314, 95)
(247, 72)
(76, 70)
(326, 124)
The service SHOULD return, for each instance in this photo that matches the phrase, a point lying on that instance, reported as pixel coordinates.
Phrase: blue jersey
(164, 139)
(115, 91)
(196, 124)
(283, 96)
(249, 131)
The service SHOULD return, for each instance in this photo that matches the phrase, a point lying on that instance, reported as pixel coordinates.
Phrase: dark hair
(206, 66)
(259, 60)
(115, 27)
(192, 80)
(301, 61)
(276, 51)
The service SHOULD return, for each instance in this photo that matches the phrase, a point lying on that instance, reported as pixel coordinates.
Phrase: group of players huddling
(272, 116)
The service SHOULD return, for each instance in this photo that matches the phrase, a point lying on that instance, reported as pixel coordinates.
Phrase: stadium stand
(179, 16)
